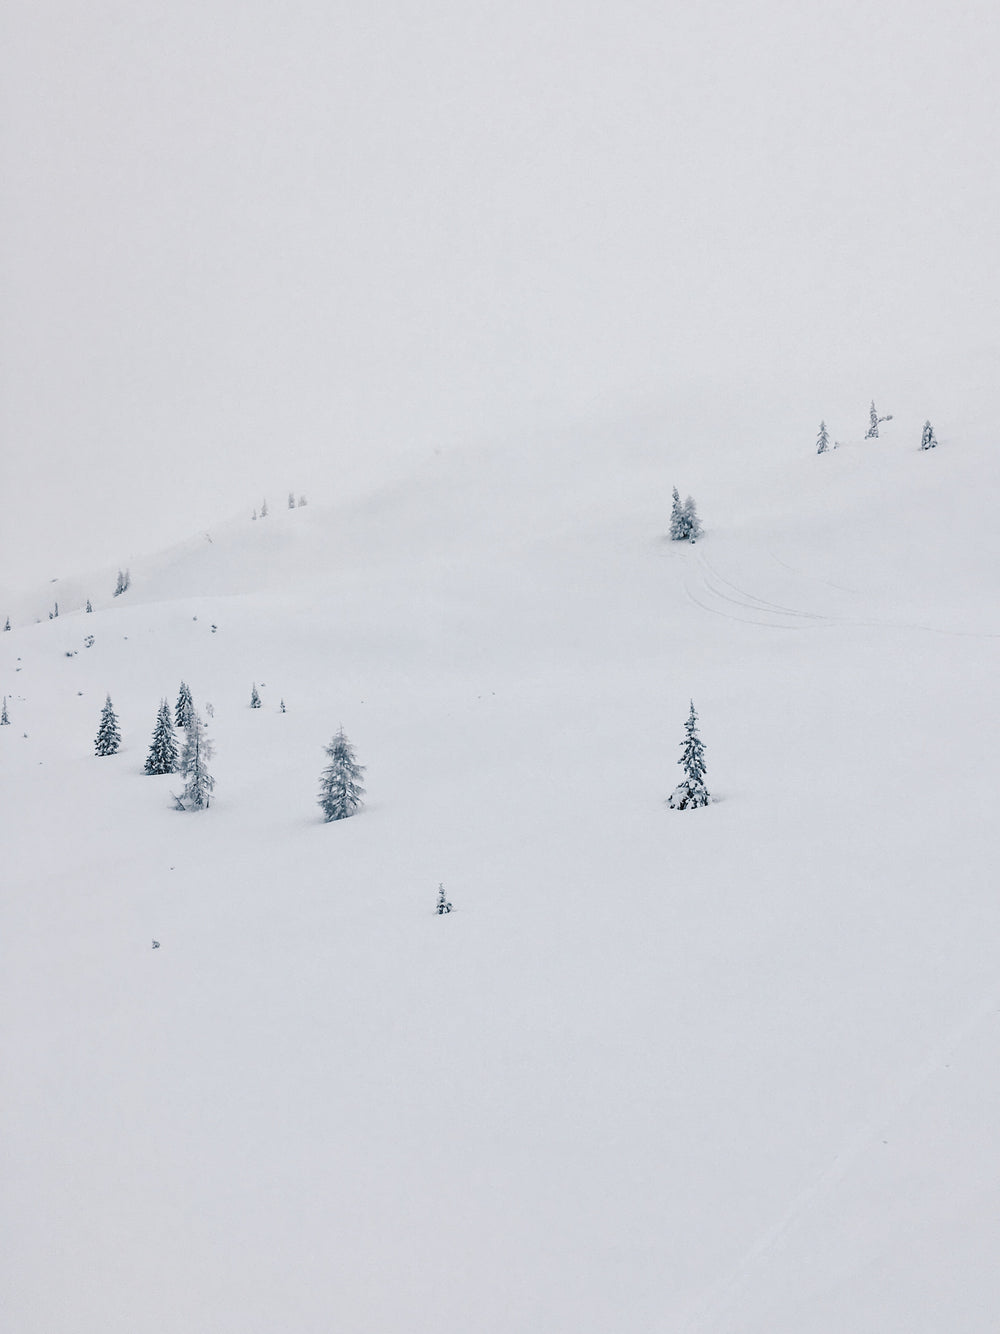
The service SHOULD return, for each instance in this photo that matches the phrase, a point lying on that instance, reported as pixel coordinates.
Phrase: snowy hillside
(727, 1071)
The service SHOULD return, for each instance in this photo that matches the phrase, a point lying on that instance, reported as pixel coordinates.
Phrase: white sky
(252, 246)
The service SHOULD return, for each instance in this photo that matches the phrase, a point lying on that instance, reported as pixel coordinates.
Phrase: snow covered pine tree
(443, 905)
(692, 792)
(184, 708)
(691, 520)
(340, 790)
(254, 697)
(823, 439)
(684, 522)
(109, 736)
(677, 524)
(4, 720)
(199, 783)
(928, 440)
(162, 757)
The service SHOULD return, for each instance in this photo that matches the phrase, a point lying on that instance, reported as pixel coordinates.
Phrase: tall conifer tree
(162, 757)
(109, 735)
(692, 792)
(341, 791)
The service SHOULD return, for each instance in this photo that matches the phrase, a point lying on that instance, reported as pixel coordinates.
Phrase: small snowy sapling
(291, 501)
(691, 520)
(109, 735)
(89, 608)
(263, 509)
(443, 905)
(823, 439)
(928, 440)
(692, 792)
(4, 720)
(254, 697)
(340, 790)
(6, 624)
(162, 757)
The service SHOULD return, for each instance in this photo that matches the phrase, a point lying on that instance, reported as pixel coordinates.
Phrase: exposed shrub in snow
(692, 792)
(109, 735)
(341, 792)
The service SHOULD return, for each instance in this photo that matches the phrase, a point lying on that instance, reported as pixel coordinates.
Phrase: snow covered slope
(724, 1070)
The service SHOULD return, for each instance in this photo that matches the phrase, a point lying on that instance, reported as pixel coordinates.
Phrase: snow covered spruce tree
(254, 697)
(677, 531)
(684, 523)
(874, 421)
(6, 624)
(198, 782)
(162, 757)
(928, 440)
(123, 583)
(184, 708)
(692, 792)
(109, 736)
(88, 607)
(823, 439)
(291, 501)
(4, 720)
(340, 790)
(443, 905)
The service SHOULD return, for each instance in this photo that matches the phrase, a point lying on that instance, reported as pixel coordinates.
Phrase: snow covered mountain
(725, 1070)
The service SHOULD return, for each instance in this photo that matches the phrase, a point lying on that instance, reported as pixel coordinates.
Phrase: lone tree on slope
(184, 708)
(823, 439)
(254, 697)
(340, 790)
(123, 583)
(4, 720)
(109, 736)
(928, 440)
(692, 792)
(443, 905)
(199, 783)
(162, 757)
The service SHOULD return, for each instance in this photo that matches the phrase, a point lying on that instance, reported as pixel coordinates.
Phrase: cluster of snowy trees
(341, 788)
(684, 523)
(927, 439)
(292, 504)
(166, 756)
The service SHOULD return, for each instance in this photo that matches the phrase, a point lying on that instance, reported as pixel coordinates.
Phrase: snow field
(721, 1070)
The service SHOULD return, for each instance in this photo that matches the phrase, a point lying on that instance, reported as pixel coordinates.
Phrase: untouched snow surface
(731, 1070)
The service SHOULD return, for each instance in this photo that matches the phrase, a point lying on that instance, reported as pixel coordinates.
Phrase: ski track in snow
(790, 618)
(718, 1303)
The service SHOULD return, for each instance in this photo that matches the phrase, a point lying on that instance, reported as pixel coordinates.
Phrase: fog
(252, 247)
